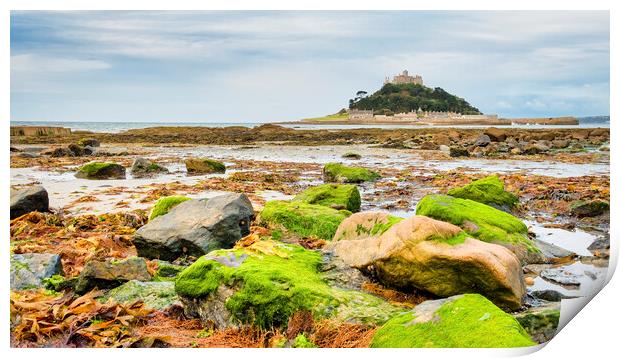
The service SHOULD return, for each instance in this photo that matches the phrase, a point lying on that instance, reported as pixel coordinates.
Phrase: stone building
(404, 78)
(360, 114)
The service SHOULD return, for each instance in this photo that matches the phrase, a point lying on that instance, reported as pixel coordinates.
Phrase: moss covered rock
(143, 167)
(464, 321)
(438, 257)
(204, 166)
(483, 222)
(302, 219)
(336, 196)
(164, 205)
(101, 170)
(111, 273)
(364, 225)
(338, 173)
(265, 283)
(352, 155)
(488, 190)
(589, 208)
(155, 295)
(540, 322)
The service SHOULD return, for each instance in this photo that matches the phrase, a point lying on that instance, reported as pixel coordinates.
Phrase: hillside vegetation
(398, 98)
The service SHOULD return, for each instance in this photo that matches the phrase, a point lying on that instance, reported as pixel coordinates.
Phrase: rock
(14, 150)
(561, 276)
(580, 135)
(155, 295)
(463, 321)
(441, 139)
(589, 208)
(496, 134)
(164, 205)
(111, 273)
(351, 155)
(195, 227)
(458, 152)
(27, 155)
(541, 323)
(88, 150)
(143, 167)
(166, 271)
(444, 148)
(302, 219)
(76, 150)
(204, 166)
(59, 152)
(454, 135)
(552, 251)
(29, 270)
(482, 141)
(101, 170)
(338, 173)
(340, 275)
(265, 284)
(516, 151)
(89, 142)
(535, 148)
(560, 143)
(599, 132)
(29, 199)
(488, 190)
(483, 222)
(366, 224)
(431, 255)
(429, 146)
(549, 295)
(345, 195)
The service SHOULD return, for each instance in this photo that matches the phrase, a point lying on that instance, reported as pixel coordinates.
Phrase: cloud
(44, 64)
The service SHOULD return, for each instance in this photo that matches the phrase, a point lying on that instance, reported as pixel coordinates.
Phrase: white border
(591, 332)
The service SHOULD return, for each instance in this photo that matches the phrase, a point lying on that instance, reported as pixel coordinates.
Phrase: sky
(269, 66)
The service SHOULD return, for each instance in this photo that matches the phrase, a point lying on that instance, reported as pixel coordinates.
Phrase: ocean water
(116, 127)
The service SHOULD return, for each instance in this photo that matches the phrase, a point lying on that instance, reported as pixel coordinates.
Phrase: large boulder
(336, 196)
(464, 321)
(458, 152)
(338, 173)
(101, 170)
(111, 273)
(482, 141)
(437, 257)
(30, 270)
(155, 295)
(196, 227)
(483, 222)
(164, 205)
(204, 166)
(302, 219)
(364, 225)
(29, 199)
(265, 284)
(488, 190)
(143, 167)
(496, 134)
(586, 208)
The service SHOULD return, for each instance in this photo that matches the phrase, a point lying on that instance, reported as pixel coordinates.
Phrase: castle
(404, 78)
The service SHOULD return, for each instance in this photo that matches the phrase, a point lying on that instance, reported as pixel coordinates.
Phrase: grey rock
(549, 295)
(29, 270)
(552, 251)
(30, 199)
(561, 276)
(111, 273)
(143, 167)
(458, 152)
(540, 322)
(156, 295)
(483, 140)
(196, 227)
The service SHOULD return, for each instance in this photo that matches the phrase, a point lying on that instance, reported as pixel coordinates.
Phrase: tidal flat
(307, 292)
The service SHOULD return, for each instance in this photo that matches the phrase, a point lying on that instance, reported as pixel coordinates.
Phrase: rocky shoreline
(354, 238)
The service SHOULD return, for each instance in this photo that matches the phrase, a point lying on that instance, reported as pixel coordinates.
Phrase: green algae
(164, 205)
(272, 285)
(488, 190)
(302, 219)
(156, 295)
(335, 172)
(483, 222)
(301, 341)
(344, 195)
(468, 321)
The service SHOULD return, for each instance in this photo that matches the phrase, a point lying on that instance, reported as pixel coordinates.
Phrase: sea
(117, 127)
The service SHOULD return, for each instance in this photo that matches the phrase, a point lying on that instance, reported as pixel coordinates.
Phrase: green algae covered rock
(337, 196)
(540, 322)
(204, 166)
(483, 222)
(302, 219)
(464, 321)
(101, 170)
(338, 173)
(589, 208)
(265, 283)
(488, 190)
(164, 205)
(364, 225)
(155, 295)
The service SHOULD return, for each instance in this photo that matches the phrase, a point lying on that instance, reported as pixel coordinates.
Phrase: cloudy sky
(275, 66)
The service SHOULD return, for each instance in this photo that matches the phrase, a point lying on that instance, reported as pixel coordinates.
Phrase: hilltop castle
(404, 78)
